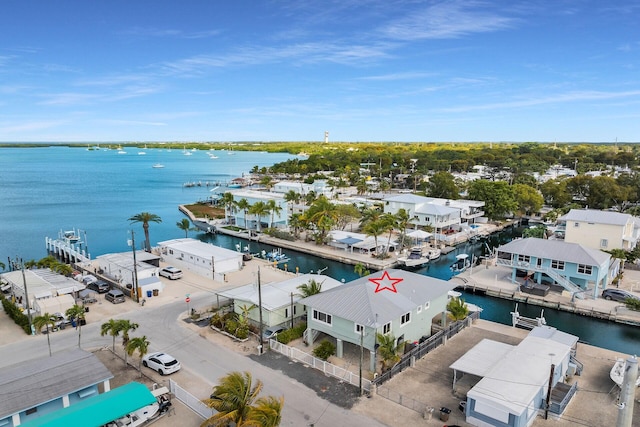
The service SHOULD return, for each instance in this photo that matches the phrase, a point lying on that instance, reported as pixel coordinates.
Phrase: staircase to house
(576, 291)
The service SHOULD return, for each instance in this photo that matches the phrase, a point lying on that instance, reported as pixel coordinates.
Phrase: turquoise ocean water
(45, 190)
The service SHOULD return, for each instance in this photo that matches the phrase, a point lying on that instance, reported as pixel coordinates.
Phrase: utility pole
(291, 310)
(627, 393)
(260, 309)
(361, 355)
(135, 268)
(26, 297)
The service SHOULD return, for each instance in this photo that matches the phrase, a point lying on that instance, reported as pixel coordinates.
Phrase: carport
(480, 359)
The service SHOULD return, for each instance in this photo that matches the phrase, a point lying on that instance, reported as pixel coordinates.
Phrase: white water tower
(326, 136)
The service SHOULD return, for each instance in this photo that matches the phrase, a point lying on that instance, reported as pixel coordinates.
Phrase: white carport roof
(482, 357)
(513, 382)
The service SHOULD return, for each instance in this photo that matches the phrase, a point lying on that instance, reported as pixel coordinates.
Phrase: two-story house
(601, 229)
(575, 267)
(391, 302)
(275, 218)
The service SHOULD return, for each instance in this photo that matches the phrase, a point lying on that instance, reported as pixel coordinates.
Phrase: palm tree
(244, 206)
(374, 228)
(76, 312)
(258, 209)
(142, 345)
(2, 266)
(267, 181)
(185, 225)
(126, 326)
(361, 270)
(234, 398)
(389, 350)
(297, 222)
(402, 222)
(145, 218)
(292, 197)
(273, 208)
(310, 288)
(457, 308)
(390, 222)
(229, 204)
(267, 412)
(42, 321)
(112, 327)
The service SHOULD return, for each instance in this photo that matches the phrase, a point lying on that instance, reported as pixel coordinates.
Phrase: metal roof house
(601, 229)
(120, 268)
(41, 283)
(33, 388)
(204, 259)
(280, 300)
(515, 379)
(424, 211)
(253, 222)
(392, 301)
(575, 267)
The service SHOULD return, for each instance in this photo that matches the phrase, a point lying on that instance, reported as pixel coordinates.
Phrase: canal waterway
(614, 336)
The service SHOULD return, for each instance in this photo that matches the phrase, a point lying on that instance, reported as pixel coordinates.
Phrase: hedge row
(16, 314)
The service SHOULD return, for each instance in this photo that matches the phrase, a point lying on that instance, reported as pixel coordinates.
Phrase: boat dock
(495, 281)
(68, 247)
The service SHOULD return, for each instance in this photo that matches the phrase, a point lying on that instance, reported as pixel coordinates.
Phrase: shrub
(242, 332)
(324, 350)
(289, 335)
(632, 304)
(14, 312)
(231, 326)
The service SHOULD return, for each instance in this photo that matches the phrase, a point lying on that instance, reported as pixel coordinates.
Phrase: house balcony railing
(576, 291)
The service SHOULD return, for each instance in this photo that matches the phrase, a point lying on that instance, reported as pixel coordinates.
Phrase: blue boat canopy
(98, 410)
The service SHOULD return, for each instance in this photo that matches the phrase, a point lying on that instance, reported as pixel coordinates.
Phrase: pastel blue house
(576, 268)
(250, 221)
(396, 302)
(34, 388)
(515, 379)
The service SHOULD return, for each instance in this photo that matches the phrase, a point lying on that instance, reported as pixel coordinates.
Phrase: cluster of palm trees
(320, 216)
(114, 327)
(258, 210)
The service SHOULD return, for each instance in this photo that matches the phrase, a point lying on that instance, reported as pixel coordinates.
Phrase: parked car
(89, 278)
(100, 286)
(617, 294)
(161, 362)
(116, 296)
(270, 333)
(171, 273)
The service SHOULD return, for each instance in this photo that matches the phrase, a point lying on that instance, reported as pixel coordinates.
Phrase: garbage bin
(149, 293)
(155, 292)
(73, 324)
(444, 414)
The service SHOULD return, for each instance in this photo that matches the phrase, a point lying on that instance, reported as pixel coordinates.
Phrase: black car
(617, 295)
(100, 286)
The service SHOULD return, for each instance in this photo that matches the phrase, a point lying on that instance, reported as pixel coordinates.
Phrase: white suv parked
(171, 273)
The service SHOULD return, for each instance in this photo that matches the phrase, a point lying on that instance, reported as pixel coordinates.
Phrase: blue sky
(364, 70)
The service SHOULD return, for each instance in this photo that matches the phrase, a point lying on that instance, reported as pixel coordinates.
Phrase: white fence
(321, 365)
(191, 401)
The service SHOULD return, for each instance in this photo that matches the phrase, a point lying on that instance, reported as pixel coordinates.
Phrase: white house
(41, 283)
(243, 218)
(201, 258)
(280, 300)
(424, 212)
(601, 229)
(121, 269)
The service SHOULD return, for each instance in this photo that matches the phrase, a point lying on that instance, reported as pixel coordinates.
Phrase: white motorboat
(158, 166)
(434, 253)
(415, 259)
(146, 414)
(462, 263)
(617, 372)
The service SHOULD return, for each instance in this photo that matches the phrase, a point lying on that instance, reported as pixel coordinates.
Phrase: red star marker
(387, 279)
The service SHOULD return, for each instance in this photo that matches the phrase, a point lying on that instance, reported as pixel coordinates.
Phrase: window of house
(604, 243)
(524, 258)
(171, 251)
(406, 318)
(576, 224)
(584, 269)
(322, 317)
(427, 305)
(557, 265)
(419, 310)
(359, 329)
(31, 411)
(539, 262)
(286, 312)
(295, 309)
(386, 328)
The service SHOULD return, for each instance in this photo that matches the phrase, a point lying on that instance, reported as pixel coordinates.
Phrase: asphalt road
(204, 359)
